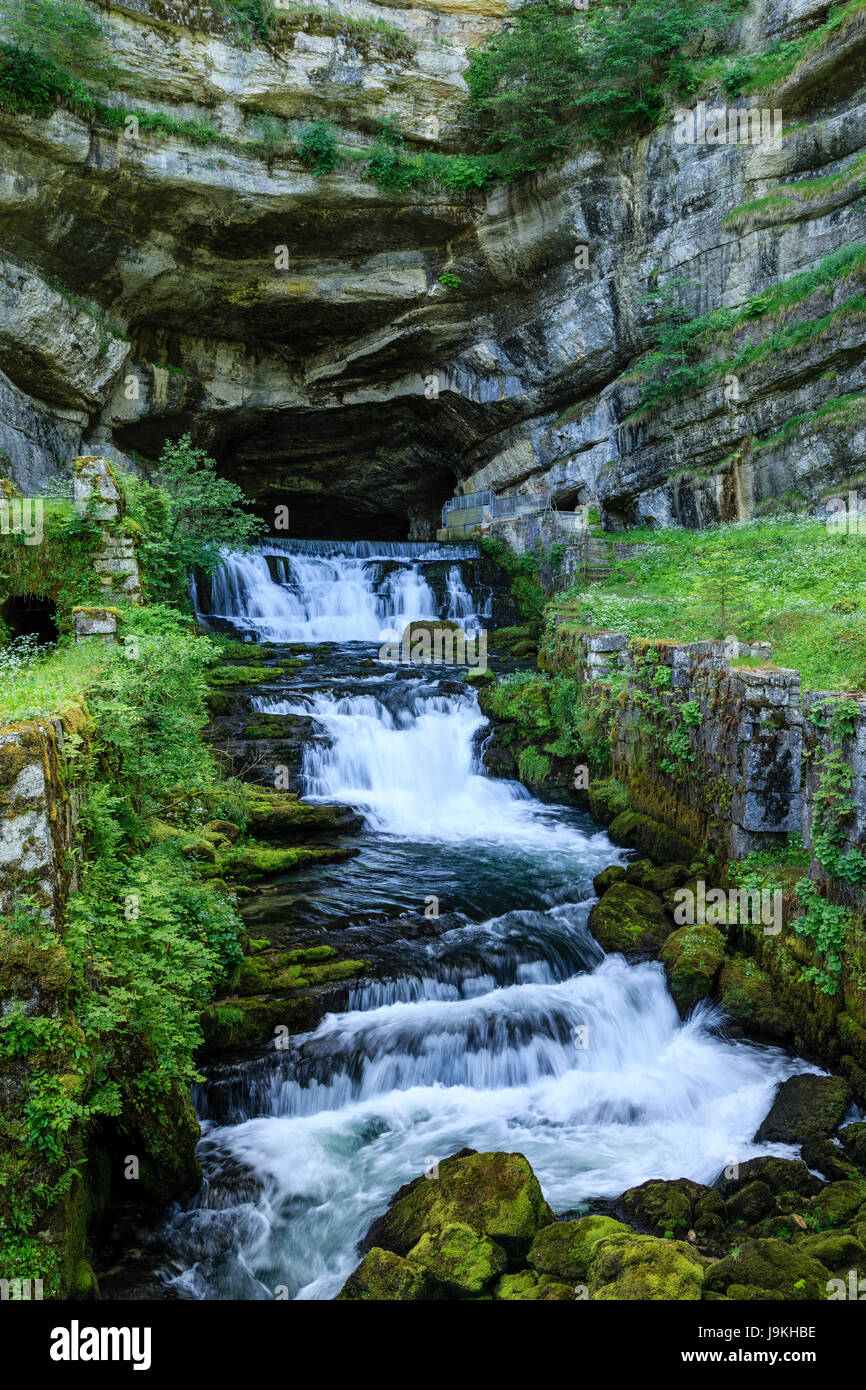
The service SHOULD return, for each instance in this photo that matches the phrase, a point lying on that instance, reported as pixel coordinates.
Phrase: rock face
(143, 290)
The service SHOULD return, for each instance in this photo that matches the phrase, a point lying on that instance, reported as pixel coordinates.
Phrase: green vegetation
(557, 77)
(318, 148)
(788, 581)
(682, 359)
(548, 725)
(787, 199)
(183, 521)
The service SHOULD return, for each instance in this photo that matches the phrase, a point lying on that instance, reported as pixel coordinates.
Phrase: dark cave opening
(31, 615)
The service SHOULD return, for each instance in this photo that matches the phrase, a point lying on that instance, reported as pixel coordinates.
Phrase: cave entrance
(31, 615)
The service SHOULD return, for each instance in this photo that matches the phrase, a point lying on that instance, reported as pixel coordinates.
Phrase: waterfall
(506, 1030)
(338, 591)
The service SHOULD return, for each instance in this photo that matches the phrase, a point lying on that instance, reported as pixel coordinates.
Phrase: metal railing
(490, 506)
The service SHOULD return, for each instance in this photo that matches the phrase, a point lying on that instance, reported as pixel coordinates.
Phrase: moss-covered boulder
(749, 999)
(564, 1249)
(753, 1201)
(805, 1105)
(839, 1204)
(628, 918)
(769, 1265)
(382, 1276)
(671, 1208)
(853, 1140)
(636, 1268)
(496, 1194)
(827, 1158)
(607, 798)
(608, 877)
(836, 1251)
(782, 1175)
(527, 1286)
(692, 957)
(460, 1262)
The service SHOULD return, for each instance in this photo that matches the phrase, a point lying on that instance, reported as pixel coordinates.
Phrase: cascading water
(508, 1030)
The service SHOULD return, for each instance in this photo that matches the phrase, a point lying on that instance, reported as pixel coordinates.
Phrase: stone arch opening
(31, 615)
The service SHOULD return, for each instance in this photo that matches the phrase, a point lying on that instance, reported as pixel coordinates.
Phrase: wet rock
(459, 1261)
(804, 1106)
(825, 1157)
(837, 1252)
(853, 1139)
(672, 1208)
(692, 957)
(608, 877)
(840, 1204)
(496, 1194)
(382, 1276)
(628, 918)
(750, 1203)
(780, 1175)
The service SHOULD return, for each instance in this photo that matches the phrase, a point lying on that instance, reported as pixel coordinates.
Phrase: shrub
(318, 148)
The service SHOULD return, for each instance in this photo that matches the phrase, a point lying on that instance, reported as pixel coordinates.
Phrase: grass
(783, 580)
(682, 361)
(51, 683)
(760, 72)
(786, 199)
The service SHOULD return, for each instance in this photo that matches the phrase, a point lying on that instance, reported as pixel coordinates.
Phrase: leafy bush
(318, 148)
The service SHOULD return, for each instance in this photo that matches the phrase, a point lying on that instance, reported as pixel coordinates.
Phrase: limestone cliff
(152, 283)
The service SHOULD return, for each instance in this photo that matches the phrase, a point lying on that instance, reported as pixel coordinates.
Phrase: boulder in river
(629, 918)
(805, 1106)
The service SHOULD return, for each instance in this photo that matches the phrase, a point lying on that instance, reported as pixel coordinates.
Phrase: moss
(805, 1106)
(527, 1286)
(652, 838)
(839, 1204)
(633, 1268)
(564, 1249)
(607, 799)
(836, 1252)
(692, 957)
(628, 918)
(383, 1276)
(748, 998)
(772, 1266)
(497, 1194)
(253, 861)
(662, 1207)
(853, 1139)
(459, 1260)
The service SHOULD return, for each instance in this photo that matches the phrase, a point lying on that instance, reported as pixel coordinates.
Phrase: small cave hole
(31, 615)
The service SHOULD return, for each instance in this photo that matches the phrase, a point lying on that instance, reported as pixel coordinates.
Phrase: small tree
(64, 31)
(187, 518)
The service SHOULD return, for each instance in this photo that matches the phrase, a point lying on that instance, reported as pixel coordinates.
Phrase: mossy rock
(459, 1260)
(836, 1251)
(250, 862)
(825, 1157)
(751, 1203)
(749, 998)
(564, 1248)
(772, 1266)
(608, 877)
(853, 1138)
(748, 1293)
(382, 1276)
(804, 1106)
(485, 677)
(496, 1194)
(692, 957)
(652, 839)
(839, 1204)
(634, 1268)
(671, 1208)
(607, 799)
(782, 1175)
(628, 918)
(221, 830)
(664, 878)
(527, 1286)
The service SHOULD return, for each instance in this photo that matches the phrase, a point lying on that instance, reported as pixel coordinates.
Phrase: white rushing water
(589, 1073)
(292, 593)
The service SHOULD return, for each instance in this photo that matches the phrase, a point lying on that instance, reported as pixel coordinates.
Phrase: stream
(508, 1029)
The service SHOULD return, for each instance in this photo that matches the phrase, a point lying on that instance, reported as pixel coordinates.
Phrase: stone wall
(739, 770)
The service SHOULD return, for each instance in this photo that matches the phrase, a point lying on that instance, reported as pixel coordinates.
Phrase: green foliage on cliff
(556, 77)
(318, 148)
